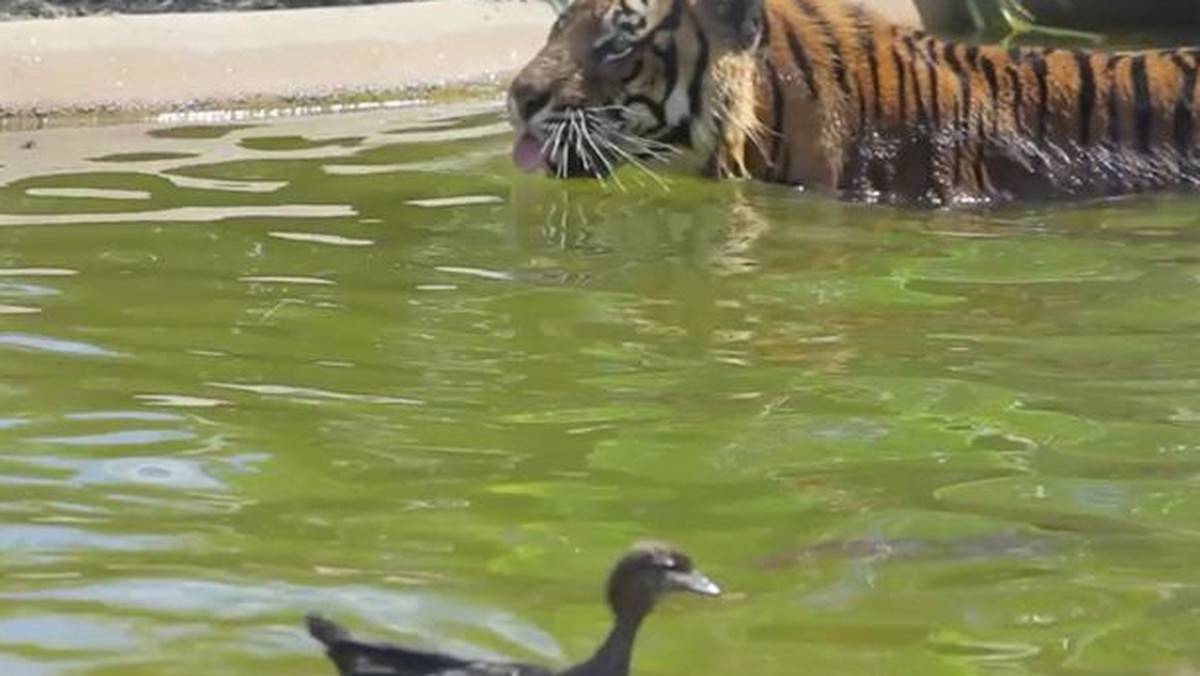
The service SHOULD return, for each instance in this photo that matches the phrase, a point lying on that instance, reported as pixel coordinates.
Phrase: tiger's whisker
(554, 139)
(587, 151)
(560, 150)
(579, 150)
(608, 167)
(640, 166)
(549, 143)
(636, 143)
(614, 140)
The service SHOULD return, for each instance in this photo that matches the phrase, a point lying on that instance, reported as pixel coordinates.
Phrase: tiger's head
(625, 80)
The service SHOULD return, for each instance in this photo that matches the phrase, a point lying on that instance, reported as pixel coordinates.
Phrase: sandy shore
(151, 63)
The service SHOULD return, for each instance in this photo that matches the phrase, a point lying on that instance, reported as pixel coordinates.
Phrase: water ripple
(16, 290)
(320, 238)
(457, 201)
(414, 614)
(89, 193)
(19, 310)
(180, 400)
(123, 415)
(184, 215)
(498, 275)
(56, 345)
(225, 185)
(298, 392)
(287, 279)
(37, 272)
(121, 438)
(42, 539)
(65, 632)
(163, 472)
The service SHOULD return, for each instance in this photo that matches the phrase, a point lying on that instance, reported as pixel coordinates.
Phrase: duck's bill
(696, 582)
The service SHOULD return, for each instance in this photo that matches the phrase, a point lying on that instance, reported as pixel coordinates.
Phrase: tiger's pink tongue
(527, 153)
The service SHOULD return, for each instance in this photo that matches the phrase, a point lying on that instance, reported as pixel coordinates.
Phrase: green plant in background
(1011, 16)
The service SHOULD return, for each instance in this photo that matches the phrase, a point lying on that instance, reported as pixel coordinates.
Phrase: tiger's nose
(525, 98)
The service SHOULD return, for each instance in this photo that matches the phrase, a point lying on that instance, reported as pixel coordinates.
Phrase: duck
(647, 571)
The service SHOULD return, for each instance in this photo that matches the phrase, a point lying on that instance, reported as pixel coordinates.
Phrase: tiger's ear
(743, 19)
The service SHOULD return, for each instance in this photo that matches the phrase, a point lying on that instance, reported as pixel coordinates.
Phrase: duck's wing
(362, 658)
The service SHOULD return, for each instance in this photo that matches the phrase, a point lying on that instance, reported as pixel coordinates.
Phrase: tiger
(827, 96)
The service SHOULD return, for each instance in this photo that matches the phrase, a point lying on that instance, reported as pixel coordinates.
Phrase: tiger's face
(624, 81)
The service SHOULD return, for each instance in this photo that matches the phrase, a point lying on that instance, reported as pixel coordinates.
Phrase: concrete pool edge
(250, 109)
(96, 69)
(134, 67)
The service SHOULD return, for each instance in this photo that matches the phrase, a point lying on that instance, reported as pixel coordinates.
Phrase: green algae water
(357, 364)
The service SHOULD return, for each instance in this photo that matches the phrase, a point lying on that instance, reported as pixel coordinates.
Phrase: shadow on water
(356, 364)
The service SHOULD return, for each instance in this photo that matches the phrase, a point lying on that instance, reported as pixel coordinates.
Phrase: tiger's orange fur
(899, 111)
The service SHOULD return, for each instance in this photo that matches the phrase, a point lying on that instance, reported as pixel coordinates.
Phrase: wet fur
(902, 113)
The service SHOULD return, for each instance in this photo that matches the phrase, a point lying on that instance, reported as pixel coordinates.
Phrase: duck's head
(649, 570)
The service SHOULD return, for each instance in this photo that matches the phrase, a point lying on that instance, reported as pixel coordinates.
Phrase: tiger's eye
(614, 49)
(611, 55)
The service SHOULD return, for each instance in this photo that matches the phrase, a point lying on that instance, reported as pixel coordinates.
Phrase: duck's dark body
(646, 572)
(364, 658)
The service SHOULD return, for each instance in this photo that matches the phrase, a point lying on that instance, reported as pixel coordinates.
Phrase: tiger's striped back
(854, 104)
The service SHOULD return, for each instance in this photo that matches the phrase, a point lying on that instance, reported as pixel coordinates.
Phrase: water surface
(356, 364)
